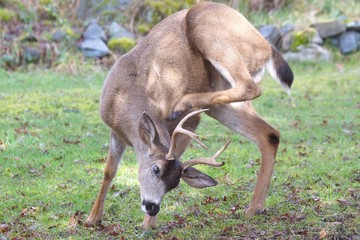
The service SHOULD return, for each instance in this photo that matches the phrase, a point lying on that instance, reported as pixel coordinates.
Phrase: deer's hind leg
(116, 150)
(243, 119)
(242, 86)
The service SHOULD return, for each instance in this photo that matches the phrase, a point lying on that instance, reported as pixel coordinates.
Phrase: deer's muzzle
(150, 208)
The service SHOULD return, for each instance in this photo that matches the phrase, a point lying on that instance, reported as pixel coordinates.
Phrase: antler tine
(207, 161)
(180, 129)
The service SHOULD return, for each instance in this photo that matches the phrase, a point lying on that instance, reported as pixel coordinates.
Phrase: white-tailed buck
(209, 56)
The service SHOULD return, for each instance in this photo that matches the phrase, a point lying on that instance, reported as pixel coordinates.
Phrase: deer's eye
(156, 170)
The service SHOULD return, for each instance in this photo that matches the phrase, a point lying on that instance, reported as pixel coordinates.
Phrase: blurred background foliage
(34, 22)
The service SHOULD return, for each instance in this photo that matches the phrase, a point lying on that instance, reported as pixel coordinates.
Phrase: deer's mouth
(150, 208)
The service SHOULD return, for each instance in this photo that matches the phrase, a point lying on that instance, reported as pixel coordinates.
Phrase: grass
(53, 150)
(303, 13)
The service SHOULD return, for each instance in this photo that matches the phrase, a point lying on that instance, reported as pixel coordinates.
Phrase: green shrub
(124, 44)
(6, 15)
(45, 2)
(302, 37)
(143, 28)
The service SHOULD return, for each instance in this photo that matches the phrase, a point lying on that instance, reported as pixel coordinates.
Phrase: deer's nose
(151, 208)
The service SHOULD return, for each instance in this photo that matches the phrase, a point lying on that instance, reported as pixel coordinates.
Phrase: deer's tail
(280, 70)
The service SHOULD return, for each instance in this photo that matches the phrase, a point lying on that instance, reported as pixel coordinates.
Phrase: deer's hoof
(250, 212)
(175, 115)
(92, 222)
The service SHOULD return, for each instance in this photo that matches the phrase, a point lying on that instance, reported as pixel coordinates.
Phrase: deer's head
(161, 170)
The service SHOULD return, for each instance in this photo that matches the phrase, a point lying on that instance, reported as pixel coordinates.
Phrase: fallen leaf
(251, 163)
(340, 67)
(72, 221)
(315, 198)
(2, 146)
(4, 228)
(293, 197)
(347, 131)
(195, 210)
(344, 202)
(114, 230)
(23, 129)
(121, 193)
(209, 200)
(322, 234)
(291, 217)
(28, 211)
(35, 171)
(101, 160)
(302, 154)
(295, 124)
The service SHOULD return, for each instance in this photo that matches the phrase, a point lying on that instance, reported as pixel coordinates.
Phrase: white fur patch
(271, 68)
(237, 104)
(258, 76)
(223, 71)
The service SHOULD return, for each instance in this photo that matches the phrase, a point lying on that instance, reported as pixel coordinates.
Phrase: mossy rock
(144, 28)
(124, 44)
(45, 2)
(302, 37)
(159, 9)
(6, 15)
(46, 13)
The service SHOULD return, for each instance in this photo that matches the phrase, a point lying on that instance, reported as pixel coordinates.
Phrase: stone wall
(98, 41)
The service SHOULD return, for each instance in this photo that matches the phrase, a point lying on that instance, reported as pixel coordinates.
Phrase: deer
(210, 59)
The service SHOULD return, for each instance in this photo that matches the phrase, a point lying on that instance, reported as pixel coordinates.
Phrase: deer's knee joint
(256, 91)
(274, 138)
(252, 90)
(109, 174)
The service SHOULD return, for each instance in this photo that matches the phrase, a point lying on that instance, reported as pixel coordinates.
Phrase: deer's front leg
(149, 222)
(116, 149)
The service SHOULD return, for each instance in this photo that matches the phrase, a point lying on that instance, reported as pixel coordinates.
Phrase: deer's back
(153, 76)
(170, 62)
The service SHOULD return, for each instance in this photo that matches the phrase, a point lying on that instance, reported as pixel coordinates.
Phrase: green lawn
(53, 150)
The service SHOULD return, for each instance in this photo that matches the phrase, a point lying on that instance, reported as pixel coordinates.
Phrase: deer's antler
(180, 129)
(207, 161)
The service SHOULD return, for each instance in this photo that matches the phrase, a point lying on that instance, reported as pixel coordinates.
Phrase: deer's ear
(147, 131)
(197, 179)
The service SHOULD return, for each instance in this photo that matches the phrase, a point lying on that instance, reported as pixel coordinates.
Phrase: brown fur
(174, 69)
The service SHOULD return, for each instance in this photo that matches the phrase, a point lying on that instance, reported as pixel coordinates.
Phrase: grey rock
(118, 31)
(349, 42)
(94, 31)
(271, 33)
(287, 28)
(82, 9)
(286, 41)
(94, 48)
(124, 2)
(9, 60)
(317, 39)
(58, 35)
(354, 25)
(310, 53)
(31, 54)
(9, 37)
(335, 41)
(329, 29)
